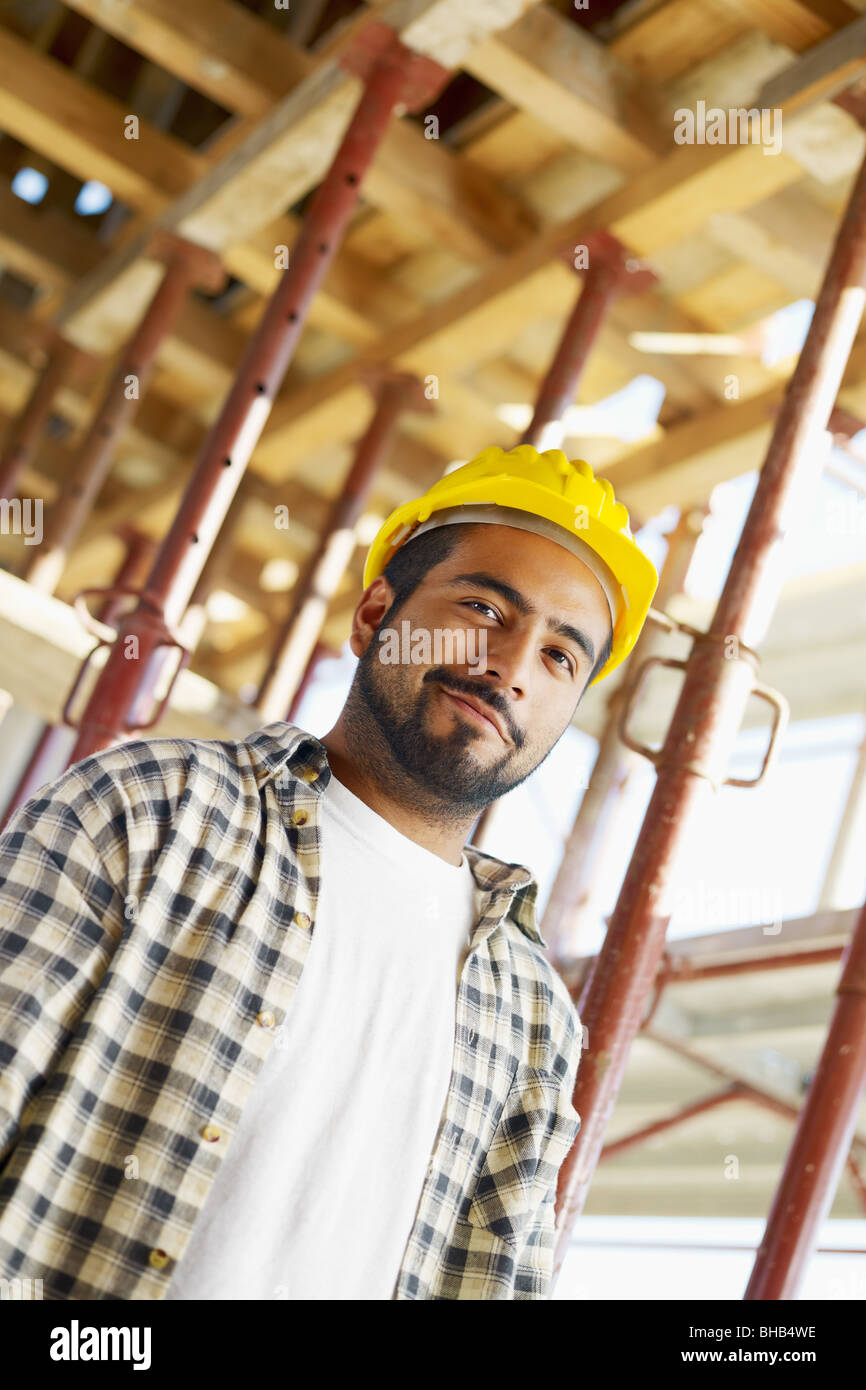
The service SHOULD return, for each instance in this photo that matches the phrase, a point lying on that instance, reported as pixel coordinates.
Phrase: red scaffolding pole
(571, 898)
(719, 676)
(25, 432)
(321, 652)
(611, 272)
(293, 651)
(186, 265)
(822, 1139)
(393, 75)
(43, 762)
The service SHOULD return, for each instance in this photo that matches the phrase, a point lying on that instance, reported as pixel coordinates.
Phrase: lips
(478, 706)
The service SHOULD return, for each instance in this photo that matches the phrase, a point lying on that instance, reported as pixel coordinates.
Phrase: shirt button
(158, 1258)
(309, 774)
(265, 1019)
(211, 1133)
(302, 919)
(299, 817)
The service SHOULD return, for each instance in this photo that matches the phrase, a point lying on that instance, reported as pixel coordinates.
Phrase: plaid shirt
(157, 903)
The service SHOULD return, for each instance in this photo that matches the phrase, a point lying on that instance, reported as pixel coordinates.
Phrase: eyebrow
(519, 601)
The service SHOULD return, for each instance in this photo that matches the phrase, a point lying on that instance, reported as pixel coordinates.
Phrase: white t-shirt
(319, 1187)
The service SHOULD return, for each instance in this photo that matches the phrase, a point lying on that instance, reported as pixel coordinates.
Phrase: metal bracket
(632, 274)
(94, 626)
(773, 697)
(378, 43)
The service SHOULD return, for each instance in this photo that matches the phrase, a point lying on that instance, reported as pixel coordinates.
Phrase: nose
(509, 661)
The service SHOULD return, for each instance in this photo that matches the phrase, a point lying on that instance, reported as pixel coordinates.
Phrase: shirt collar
(282, 746)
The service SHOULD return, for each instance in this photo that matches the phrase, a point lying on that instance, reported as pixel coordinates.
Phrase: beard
(387, 726)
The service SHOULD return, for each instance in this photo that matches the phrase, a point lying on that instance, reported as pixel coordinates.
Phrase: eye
(479, 603)
(569, 661)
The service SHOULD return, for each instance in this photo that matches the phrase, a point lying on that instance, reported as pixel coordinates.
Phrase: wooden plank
(516, 144)
(215, 46)
(50, 643)
(564, 77)
(772, 255)
(821, 73)
(50, 109)
(689, 188)
(650, 211)
(43, 245)
(797, 24)
(719, 426)
(677, 36)
(243, 63)
(735, 298)
(457, 205)
(283, 157)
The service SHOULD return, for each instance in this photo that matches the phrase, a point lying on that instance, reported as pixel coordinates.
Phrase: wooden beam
(797, 24)
(675, 37)
(50, 643)
(546, 65)
(50, 109)
(43, 245)
(822, 72)
(654, 209)
(215, 46)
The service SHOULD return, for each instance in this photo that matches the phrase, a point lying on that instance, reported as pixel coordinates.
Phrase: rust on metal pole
(822, 1139)
(611, 272)
(675, 970)
(186, 265)
(321, 576)
(392, 75)
(569, 908)
(25, 432)
(132, 569)
(687, 1112)
(43, 762)
(717, 682)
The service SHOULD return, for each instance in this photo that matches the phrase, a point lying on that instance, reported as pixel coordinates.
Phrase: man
(270, 1028)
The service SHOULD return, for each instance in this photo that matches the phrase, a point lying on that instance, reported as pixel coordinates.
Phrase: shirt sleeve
(61, 916)
(534, 1274)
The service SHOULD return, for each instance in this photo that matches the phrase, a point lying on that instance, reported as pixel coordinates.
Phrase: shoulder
(143, 770)
(127, 793)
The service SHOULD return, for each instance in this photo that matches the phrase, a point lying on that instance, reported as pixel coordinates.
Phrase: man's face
(508, 590)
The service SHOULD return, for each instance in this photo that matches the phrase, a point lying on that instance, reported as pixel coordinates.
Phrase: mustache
(461, 686)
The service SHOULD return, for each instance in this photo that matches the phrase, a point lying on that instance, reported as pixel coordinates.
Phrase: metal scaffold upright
(25, 432)
(393, 76)
(719, 677)
(570, 906)
(294, 650)
(611, 271)
(186, 266)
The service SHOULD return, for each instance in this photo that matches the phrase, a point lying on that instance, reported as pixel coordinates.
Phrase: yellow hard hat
(565, 501)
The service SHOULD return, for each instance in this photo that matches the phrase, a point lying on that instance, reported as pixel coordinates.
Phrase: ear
(372, 607)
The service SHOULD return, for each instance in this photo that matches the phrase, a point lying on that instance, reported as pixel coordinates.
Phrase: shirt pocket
(537, 1127)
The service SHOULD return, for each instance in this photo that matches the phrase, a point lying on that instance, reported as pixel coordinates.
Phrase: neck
(371, 774)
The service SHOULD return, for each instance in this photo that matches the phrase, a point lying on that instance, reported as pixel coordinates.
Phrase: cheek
(553, 718)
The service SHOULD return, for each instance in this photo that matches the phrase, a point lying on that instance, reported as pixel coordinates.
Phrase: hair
(415, 558)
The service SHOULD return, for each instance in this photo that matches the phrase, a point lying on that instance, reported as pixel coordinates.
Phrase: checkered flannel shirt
(157, 903)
